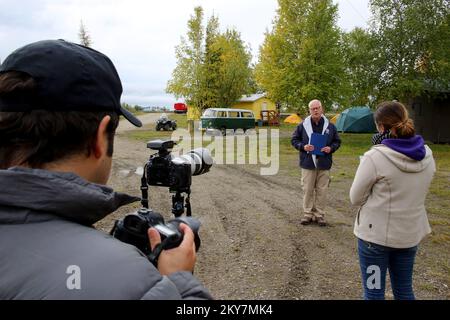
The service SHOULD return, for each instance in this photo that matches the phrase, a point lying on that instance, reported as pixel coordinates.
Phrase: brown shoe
(321, 221)
(306, 220)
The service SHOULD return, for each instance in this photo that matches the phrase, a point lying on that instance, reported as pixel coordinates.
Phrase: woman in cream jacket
(389, 188)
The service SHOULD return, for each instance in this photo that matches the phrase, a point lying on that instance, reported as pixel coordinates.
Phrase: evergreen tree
(83, 34)
(211, 66)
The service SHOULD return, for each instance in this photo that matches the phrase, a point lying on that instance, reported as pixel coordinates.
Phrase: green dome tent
(356, 119)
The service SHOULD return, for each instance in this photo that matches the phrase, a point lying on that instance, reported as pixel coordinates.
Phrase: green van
(224, 119)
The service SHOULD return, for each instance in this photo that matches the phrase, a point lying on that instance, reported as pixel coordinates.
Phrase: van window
(209, 113)
(247, 115)
(233, 114)
(222, 114)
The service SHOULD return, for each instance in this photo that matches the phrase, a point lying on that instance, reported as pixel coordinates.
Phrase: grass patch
(135, 113)
(440, 188)
(342, 223)
(180, 118)
(146, 135)
(148, 132)
(439, 222)
(440, 238)
(354, 145)
(426, 286)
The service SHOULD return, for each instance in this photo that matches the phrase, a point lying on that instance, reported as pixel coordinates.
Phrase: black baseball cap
(69, 77)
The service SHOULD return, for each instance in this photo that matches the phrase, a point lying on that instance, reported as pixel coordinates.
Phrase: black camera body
(163, 172)
(176, 173)
(133, 228)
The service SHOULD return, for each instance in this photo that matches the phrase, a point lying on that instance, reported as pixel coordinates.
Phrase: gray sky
(140, 35)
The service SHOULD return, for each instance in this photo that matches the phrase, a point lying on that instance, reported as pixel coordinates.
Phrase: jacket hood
(57, 193)
(403, 162)
(412, 147)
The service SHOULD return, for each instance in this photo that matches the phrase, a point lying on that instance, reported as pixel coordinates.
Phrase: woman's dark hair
(35, 138)
(394, 117)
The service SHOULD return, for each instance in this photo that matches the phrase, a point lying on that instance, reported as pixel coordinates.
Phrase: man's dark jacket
(45, 230)
(300, 140)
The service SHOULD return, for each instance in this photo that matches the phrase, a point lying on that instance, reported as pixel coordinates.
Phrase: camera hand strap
(144, 189)
(154, 255)
(188, 204)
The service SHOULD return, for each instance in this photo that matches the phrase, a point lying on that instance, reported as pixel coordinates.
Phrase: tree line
(404, 52)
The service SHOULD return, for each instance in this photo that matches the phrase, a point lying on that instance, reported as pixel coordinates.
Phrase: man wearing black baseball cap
(59, 109)
(68, 77)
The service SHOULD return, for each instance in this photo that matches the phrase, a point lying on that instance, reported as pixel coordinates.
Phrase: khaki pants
(315, 184)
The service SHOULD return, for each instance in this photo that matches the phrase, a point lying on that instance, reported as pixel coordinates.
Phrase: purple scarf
(413, 148)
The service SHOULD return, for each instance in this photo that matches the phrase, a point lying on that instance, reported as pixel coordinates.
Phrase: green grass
(438, 199)
(440, 238)
(181, 119)
(440, 187)
(439, 222)
(148, 132)
(134, 112)
(354, 145)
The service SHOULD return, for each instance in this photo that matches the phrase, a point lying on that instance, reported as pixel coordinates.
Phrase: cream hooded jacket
(390, 190)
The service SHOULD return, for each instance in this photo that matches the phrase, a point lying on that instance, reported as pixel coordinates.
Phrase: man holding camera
(59, 109)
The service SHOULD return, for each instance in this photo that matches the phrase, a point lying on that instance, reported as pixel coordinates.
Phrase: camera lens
(200, 160)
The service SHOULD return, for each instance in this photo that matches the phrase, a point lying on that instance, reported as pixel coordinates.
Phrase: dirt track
(253, 246)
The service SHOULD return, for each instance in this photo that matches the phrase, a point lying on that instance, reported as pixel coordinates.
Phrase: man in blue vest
(315, 168)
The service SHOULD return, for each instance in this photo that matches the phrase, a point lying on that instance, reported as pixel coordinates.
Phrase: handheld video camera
(164, 170)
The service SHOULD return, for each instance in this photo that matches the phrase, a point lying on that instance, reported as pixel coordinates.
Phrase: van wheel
(224, 131)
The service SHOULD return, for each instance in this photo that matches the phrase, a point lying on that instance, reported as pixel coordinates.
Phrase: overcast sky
(140, 35)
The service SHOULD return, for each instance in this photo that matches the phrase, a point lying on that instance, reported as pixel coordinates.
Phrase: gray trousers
(315, 184)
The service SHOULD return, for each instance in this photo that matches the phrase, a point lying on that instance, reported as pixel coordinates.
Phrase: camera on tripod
(165, 170)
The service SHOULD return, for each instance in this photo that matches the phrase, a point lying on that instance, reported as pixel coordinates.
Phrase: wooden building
(431, 115)
(255, 103)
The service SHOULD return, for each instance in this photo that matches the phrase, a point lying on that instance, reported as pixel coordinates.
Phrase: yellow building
(255, 103)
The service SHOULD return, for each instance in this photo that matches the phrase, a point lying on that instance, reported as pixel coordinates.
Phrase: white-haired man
(315, 168)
